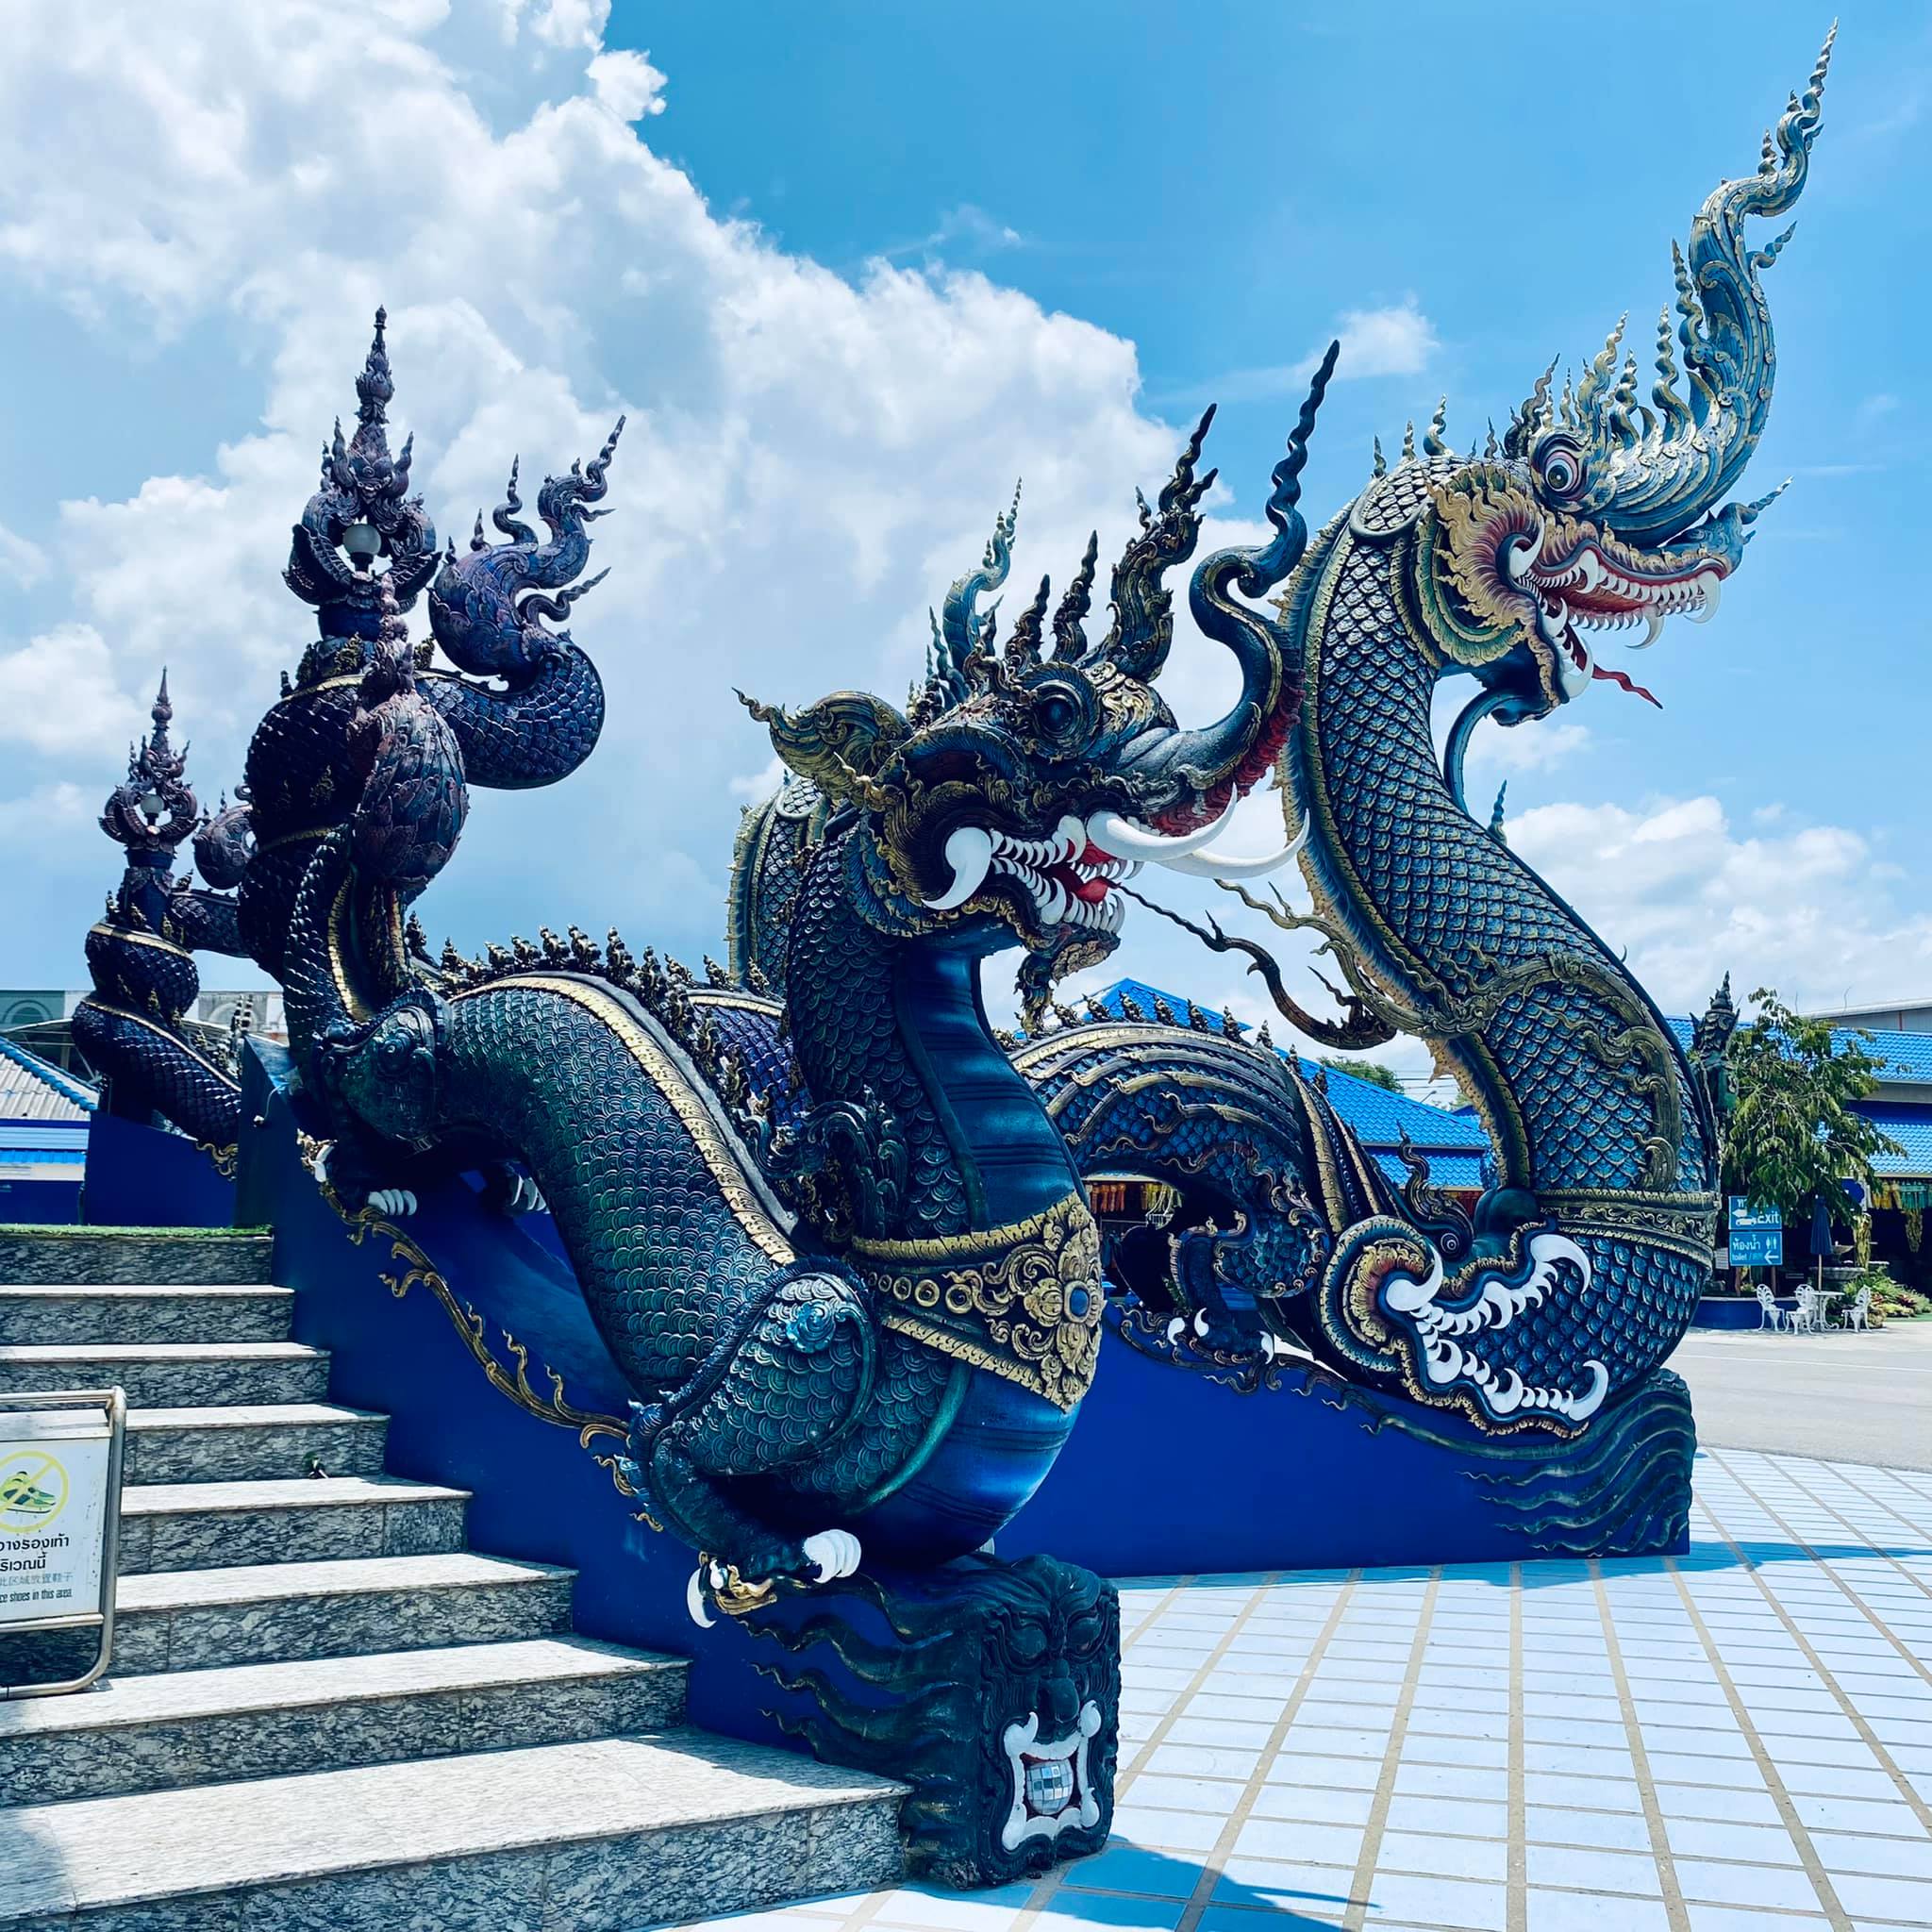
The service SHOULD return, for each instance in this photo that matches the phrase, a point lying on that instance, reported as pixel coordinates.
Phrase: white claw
(694, 1600)
(832, 1554)
(398, 1201)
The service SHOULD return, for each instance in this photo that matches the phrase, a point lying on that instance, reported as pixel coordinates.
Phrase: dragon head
(1600, 511)
(1023, 783)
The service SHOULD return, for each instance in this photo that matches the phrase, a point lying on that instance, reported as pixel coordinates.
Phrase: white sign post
(61, 1519)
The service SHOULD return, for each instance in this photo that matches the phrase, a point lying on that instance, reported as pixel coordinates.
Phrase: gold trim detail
(1003, 1299)
(162, 1032)
(749, 1212)
(513, 1382)
(140, 938)
(224, 1158)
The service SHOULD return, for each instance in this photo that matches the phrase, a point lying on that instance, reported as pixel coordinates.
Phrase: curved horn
(1220, 752)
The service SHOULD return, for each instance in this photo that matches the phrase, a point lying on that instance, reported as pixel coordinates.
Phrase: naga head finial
(152, 811)
(361, 513)
(1603, 511)
(1010, 797)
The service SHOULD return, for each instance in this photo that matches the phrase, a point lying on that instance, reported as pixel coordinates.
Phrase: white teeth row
(1069, 837)
(1057, 905)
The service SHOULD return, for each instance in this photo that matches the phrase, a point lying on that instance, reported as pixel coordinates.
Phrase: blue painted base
(140, 1176)
(41, 1204)
(1735, 1311)
(1170, 1472)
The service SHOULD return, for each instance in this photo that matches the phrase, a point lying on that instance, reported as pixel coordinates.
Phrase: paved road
(1847, 1398)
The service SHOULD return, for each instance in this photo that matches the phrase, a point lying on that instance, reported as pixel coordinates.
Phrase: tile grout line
(1043, 1893)
(1215, 1861)
(1767, 1769)
(1639, 1759)
(1824, 1568)
(1201, 1678)
(1516, 1870)
(1908, 1791)
(1918, 1583)
(1358, 1902)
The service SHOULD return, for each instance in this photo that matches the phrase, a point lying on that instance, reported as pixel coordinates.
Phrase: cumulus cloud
(1378, 341)
(1397, 341)
(23, 561)
(809, 458)
(58, 694)
(1809, 910)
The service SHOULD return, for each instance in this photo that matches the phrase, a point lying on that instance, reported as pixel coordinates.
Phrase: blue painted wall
(41, 1203)
(141, 1176)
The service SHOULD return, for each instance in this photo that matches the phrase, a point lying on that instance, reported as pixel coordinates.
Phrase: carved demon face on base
(1023, 783)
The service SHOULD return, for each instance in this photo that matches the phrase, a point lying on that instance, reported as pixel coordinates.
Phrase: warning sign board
(54, 1471)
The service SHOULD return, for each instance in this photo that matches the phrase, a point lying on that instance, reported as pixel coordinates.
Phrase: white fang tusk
(1211, 865)
(694, 1600)
(1124, 839)
(969, 852)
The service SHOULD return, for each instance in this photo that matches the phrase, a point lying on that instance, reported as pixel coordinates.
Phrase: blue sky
(853, 265)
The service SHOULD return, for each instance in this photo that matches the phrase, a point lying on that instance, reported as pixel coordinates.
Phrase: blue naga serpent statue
(875, 1319)
(141, 954)
(1560, 1297)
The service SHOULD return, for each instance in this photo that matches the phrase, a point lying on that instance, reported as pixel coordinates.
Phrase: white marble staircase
(325, 1710)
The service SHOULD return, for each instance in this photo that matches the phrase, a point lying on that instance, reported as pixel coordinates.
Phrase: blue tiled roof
(1379, 1117)
(1446, 1170)
(1904, 1057)
(1911, 1127)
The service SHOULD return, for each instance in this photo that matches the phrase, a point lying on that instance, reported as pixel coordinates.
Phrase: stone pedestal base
(993, 1688)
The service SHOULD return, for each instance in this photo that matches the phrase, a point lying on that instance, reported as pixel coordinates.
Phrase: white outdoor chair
(1770, 1314)
(1808, 1319)
(1857, 1311)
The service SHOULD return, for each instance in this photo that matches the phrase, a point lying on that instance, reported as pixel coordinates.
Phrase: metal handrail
(114, 1401)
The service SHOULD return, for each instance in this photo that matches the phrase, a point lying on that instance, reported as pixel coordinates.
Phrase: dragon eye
(1056, 712)
(1561, 469)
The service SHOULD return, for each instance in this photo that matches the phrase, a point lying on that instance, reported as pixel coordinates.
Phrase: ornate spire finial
(163, 713)
(375, 387)
(1496, 831)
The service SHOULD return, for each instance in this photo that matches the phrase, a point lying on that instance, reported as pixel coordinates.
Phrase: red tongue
(1624, 680)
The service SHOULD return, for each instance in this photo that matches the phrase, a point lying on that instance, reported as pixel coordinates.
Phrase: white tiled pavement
(1736, 1741)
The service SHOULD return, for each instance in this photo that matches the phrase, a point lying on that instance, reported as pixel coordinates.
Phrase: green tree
(1793, 1134)
(1374, 1072)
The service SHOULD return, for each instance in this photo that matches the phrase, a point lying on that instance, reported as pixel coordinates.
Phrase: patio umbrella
(1820, 1234)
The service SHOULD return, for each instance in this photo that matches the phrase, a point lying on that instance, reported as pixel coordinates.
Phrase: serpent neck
(902, 1019)
(1577, 1078)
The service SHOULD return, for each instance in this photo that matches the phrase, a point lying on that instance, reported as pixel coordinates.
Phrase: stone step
(77, 1312)
(293, 1520)
(194, 1620)
(162, 1374)
(190, 1728)
(137, 1256)
(241, 1442)
(600, 1837)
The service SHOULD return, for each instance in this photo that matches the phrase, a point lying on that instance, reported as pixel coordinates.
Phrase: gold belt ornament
(1022, 1301)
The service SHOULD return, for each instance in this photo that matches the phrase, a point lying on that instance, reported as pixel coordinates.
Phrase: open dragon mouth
(1069, 877)
(1593, 588)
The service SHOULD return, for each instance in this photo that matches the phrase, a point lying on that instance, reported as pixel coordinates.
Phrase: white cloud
(25, 562)
(810, 460)
(627, 84)
(1397, 341)
(1378, 341)
(1809, 911)
(1534, 747)
(58, 694)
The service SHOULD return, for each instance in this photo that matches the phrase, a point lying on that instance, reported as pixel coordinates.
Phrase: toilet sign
(60, 1457)
(53, 1512)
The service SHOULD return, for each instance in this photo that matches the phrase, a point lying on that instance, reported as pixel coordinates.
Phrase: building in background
(43, 1117)
(42, 1022)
